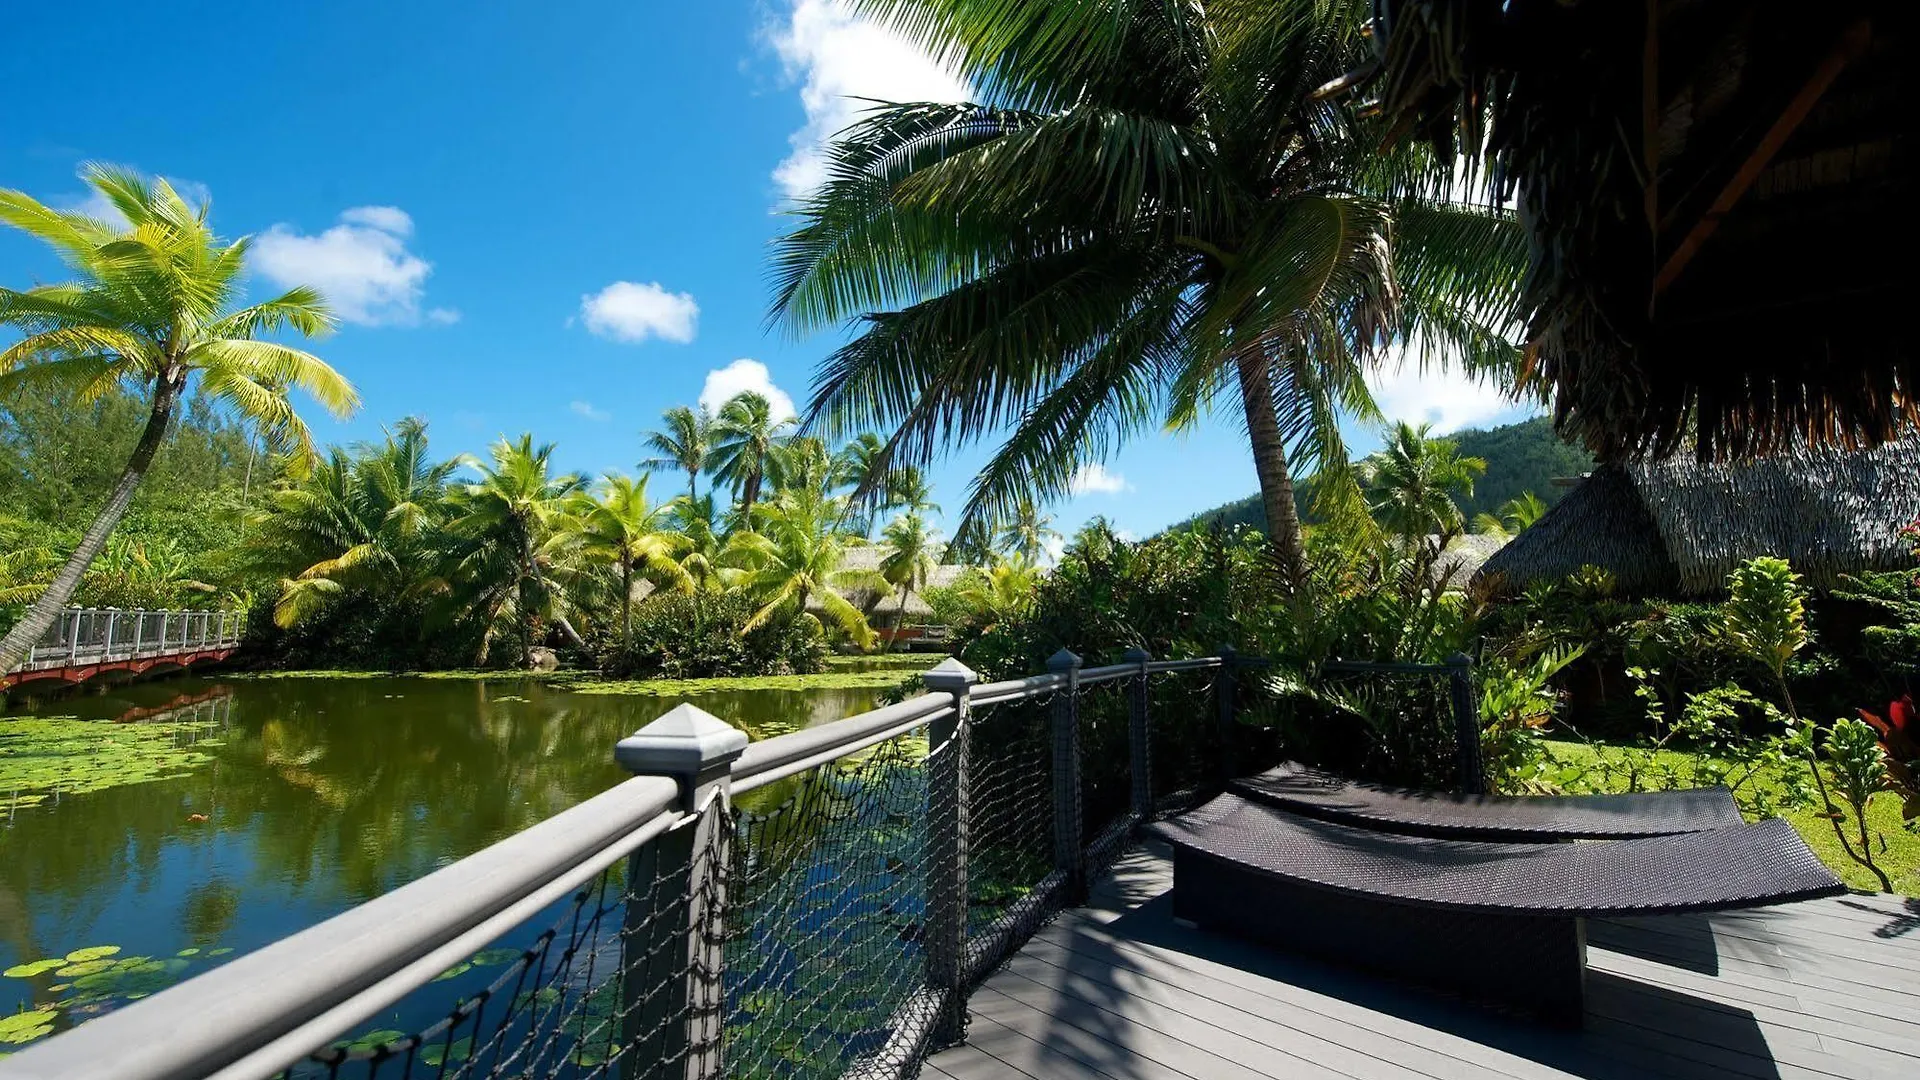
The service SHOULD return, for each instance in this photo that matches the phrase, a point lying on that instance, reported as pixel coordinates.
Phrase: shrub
(688, 636)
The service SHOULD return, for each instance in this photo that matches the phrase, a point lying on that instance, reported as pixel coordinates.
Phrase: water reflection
(321, 794)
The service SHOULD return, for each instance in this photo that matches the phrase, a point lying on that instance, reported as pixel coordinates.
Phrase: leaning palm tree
(1412, 484)
(796, 555)
(1150, 209)
(152, 306)
(683, 443)
(515, 530)
(863, 467)
(912, 553)
(623, 529)
(747, 444)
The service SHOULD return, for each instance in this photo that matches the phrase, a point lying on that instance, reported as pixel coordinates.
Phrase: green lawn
(1900, 857)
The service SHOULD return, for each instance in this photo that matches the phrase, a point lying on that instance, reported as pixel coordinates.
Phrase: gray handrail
(784, 755)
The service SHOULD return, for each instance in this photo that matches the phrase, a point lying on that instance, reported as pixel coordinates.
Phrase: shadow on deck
(1829, 988)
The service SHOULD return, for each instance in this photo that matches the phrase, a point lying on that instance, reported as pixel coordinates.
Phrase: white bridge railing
(87, 636)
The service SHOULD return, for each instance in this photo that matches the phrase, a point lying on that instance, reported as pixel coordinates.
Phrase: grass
(1900, 856)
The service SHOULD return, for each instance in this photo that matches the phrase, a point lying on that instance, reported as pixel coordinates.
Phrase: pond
(281, 802)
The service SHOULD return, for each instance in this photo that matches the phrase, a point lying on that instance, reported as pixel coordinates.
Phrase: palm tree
(622, 528)
(360, 523)
(151, 306)
(796, 555)
(1001, 591)
(912, 552)
(908, 489)
(1151, 208)
(514, 532)
(1027, 533)
(705, 542)
(746, 448)
(863, 467)
(1412, 482)
(1514, 516)
(683, 443)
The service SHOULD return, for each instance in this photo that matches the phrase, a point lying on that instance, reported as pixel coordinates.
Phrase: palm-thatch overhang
(1678, 528)
(1720, 195)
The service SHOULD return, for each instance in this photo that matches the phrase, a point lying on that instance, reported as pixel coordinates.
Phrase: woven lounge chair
(1310, 791)
(1499, 922)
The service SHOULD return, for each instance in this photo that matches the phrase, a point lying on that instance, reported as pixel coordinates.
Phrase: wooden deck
(1116, 990)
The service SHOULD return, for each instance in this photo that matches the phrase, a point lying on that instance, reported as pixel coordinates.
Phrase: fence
(817, 905)
(87, 636)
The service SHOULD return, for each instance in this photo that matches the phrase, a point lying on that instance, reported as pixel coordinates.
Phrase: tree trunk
(626, 607)
(693, 484)
(900, 623)
(1270, 464)
(749, 494)
(43, 612)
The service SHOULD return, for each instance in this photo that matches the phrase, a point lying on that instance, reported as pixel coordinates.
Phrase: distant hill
(1520, 457)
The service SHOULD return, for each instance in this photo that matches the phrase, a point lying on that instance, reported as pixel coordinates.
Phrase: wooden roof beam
(1853, 41)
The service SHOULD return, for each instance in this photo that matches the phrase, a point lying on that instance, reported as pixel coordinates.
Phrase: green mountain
(1521, 457)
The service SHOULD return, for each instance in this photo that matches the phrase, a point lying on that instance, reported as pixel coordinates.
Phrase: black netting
(622, 977)
(1010, 846)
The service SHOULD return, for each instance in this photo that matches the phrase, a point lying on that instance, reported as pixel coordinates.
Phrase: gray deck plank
(1828, 990)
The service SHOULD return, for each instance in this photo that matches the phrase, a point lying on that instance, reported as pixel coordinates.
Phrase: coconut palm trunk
(1270, 465)
(42, 613)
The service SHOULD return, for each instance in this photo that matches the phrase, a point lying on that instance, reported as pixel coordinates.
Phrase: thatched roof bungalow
(1678, 528)
(1719, 193)
(885, 609)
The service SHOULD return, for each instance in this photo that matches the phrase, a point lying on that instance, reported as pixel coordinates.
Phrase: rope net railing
(813, 907)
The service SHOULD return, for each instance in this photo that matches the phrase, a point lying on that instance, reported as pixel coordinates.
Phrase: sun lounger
(1310, 791)
(1498, 922)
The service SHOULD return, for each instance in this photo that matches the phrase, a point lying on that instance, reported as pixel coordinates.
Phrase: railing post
(672, 996)
(1225, 694)
(139, 626)
(945, 945)
(73, 636)
(1466, 724)
(112, 617)
(1139, 737)
(1069, 851)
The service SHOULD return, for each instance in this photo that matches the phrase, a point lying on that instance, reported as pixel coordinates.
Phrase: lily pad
(188, 951)
(29, 970)
(437, 1053)
(455, 971)
(495, 957)
(92, 952)
(85, 967)
(24, 1027)
(221, 951)
(374, 1040)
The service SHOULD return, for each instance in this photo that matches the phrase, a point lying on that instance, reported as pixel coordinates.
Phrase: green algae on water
(42, 756)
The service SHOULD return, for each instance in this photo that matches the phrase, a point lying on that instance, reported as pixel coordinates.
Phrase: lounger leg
(1528, 963)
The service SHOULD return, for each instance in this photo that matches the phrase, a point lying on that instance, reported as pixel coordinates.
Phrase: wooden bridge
(84, 643)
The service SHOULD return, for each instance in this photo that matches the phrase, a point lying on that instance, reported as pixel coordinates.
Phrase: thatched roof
(1717, 198)
(867, 557)
(1680, 527)
(1463, 557)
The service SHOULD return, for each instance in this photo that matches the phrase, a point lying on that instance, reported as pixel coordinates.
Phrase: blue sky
(549, 218)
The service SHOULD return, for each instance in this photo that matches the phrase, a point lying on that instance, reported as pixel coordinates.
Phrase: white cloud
(362, 266)
(1096, 480)
(837, 58)
(724, 384)
(387, 219)
(443, 316)
(630, 312)
(1449, 400)
(587, 409)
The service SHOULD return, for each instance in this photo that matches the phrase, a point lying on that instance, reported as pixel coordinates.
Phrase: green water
(304, 798)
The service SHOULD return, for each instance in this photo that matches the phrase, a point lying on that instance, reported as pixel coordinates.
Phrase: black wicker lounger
(1500, 922)
(1310, 791)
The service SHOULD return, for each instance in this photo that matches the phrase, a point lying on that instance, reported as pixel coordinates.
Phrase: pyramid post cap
(686, 741)
(1062, 660)
(949, 676)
